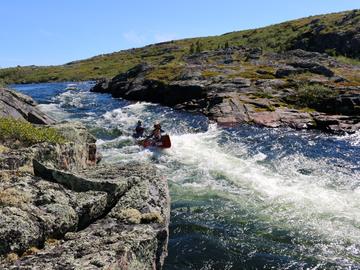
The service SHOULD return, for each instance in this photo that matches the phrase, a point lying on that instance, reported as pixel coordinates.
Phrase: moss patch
(130, 215)
(31, 251)
(3, 149)
(12, 257)
(152, 217)
(13, 197)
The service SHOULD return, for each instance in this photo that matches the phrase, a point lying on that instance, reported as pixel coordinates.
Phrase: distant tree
(226, 46)
(198, 47)
(192, 48)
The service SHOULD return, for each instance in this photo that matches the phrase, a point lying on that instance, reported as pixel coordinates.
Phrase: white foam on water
(72, 98)
(286, 198)
(354, 139)
(119, 117)
(55, 111)
(126, 117)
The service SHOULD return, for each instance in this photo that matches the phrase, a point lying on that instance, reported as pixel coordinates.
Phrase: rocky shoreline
(62, 209)
(250, 86)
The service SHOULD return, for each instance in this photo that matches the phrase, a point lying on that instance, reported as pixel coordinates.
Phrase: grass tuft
(26, 134)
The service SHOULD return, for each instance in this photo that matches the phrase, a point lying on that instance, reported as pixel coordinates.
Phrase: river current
(243, 197)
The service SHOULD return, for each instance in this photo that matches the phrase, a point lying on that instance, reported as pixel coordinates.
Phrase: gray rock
(19, 106)
(111, 237)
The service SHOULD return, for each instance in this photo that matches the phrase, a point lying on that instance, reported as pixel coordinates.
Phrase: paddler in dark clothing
(139, 130)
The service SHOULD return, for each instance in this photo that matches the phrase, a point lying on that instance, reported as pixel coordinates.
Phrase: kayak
(164, 143)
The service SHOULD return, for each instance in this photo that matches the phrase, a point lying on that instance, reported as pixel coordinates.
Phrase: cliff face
(60, 209)
(298, 89)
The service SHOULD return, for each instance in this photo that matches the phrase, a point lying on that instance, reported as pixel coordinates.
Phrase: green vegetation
(347, 60)
(274, 38)
(165, 73)
(308, 95)
(23, 133)
(210, 73)
(263, 94)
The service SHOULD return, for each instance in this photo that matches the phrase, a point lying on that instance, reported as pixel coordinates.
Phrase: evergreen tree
(226, 46)
(192, 48)
(198, 47)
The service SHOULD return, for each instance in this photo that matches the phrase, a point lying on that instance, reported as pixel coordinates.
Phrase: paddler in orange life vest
(156, 133)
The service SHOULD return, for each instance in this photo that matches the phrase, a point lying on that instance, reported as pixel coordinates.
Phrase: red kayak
(164, 143)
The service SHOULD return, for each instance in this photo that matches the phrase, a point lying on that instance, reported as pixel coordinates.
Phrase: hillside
(336, 34)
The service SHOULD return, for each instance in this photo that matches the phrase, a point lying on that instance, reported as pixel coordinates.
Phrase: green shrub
(165, 73)
(12, 130)
(308, 95)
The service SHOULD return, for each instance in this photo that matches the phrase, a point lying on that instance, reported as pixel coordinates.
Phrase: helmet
(157, 125)
(139, 122)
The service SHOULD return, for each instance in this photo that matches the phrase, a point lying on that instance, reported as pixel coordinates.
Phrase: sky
(52, 32)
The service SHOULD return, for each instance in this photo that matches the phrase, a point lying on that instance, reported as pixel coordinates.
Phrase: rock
(344, 42)
(79, 152)
(337, 124)
(50, 211)
(307, 66)
(241, 82)
(345, 104)
(302, 67)
(95, 235)
(287, 71)
(19, 106)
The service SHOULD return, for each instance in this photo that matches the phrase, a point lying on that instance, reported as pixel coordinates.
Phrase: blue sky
(45, 32)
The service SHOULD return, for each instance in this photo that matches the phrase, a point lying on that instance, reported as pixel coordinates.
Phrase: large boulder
(19, 106)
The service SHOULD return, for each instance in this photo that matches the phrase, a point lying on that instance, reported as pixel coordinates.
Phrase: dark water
(242, 198)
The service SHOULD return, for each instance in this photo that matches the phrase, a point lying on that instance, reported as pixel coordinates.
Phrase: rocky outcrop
(303, 67)
(228, 98)
(134, 85)
(109, 217)
(18, 106)
(342, 38)
(60, 209)
(77, 153)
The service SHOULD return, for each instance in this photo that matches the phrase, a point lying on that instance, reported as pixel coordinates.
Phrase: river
(243, 197)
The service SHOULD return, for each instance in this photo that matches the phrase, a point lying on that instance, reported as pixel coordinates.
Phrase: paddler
(139, 130)
(156, 133)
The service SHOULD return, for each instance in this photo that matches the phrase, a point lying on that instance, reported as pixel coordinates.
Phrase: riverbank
(297, 89)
